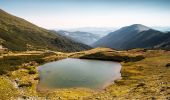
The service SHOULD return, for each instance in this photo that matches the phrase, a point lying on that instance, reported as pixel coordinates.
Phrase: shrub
(31, 72)
(119, 58)
(29, 67)
(2, 72)
(168, 65)
(40, 61)
(29, 84)
(37, 78)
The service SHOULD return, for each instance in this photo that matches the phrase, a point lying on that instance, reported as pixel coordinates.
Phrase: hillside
(135, 36)
(17, 34)
(82, 37)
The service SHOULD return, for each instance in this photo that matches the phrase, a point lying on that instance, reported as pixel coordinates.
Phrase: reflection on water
(70, 73)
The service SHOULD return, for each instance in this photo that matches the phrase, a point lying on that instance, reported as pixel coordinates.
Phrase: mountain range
(135, 36)
(99, 31)
(17, 34)
(82, 37)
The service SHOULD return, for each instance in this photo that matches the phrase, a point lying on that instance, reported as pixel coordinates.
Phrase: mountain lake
(75, 73)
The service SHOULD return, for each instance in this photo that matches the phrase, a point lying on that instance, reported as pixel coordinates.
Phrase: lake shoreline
(134, 78)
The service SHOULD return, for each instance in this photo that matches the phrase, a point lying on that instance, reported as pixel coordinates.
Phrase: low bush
(37, 78)
(29, 84)
(118, 58)
(167, 65)
(2, 72)
(31, 72)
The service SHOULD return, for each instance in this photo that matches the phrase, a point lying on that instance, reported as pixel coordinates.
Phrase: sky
(52, 14)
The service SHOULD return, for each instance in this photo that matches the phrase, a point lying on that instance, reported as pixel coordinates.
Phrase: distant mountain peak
(138, 27)
(135, 36)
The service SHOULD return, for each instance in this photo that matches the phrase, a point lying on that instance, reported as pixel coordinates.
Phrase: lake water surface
(71, 73)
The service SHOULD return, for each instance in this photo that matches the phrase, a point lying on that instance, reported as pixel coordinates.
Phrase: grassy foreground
(145, 75)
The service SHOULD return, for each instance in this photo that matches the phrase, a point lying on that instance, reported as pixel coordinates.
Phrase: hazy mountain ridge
(19, 34)
(162, 29)
(134, 36)
(82, 37)
(100, 31)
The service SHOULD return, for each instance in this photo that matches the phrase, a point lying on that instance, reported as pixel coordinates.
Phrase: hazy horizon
(61, 14)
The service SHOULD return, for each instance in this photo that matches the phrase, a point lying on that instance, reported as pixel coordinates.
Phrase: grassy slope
(144, 79)
(17, 34)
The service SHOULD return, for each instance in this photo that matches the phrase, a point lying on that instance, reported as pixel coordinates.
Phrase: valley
(81, 62)
(81, 37)
(146, 78)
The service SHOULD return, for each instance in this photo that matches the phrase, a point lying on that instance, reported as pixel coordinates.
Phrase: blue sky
(90, 13)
